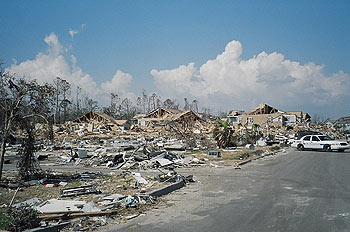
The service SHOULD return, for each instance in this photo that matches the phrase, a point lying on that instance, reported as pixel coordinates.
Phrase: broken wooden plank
(76, 215)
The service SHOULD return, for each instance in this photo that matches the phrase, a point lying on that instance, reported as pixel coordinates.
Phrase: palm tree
(222, 133)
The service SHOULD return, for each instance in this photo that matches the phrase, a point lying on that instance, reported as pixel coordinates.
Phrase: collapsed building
(271, 122)
(167, 118)
(265, 115)
(94, 120)
(343, 124)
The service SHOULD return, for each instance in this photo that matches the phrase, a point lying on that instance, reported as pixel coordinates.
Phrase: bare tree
(139, 104)
(319, 119)
(20, 101)
(194, 105)
(77, 101)
(144, 101)
(170, 104)
(154, 100)
(187, 105)
(159, 102)
(128, 111)
(206, 110)
(90, 105)
(58, 91)
(65, 93)
(62, 92)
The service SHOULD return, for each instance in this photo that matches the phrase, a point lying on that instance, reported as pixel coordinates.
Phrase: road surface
(295, 191)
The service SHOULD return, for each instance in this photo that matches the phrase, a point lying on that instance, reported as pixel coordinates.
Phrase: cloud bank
(57, 62)
(230, 81)
(226, 82)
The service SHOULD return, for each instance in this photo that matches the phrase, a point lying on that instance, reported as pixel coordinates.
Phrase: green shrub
(22, 218)
(4, 221)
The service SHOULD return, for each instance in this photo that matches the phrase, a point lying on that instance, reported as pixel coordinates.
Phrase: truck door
(315, 143)
(307, 141)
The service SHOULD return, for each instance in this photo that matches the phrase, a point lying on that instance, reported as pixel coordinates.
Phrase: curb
(167, 189)
(262, 156)
(244, 162)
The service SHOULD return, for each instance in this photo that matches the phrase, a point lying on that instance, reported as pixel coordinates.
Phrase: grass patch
(275, 148)
(74, 184)
(128, 180)
(5, 221)
(197, 152)
(247, 154)
(241, 155)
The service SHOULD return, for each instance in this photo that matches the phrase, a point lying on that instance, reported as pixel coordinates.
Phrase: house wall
(275, 119)
(234, 120)
(344, 127)
(291, 119)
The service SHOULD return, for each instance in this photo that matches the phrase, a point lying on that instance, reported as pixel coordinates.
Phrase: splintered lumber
(69, 192)
(76, 215)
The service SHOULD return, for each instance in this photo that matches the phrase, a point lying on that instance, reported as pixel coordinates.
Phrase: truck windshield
(325, 138)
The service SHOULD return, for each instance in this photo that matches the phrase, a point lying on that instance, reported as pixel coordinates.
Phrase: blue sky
(137, 37)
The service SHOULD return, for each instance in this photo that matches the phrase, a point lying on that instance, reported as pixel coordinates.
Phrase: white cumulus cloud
(72, 33)
(231, 82)
(46, 66)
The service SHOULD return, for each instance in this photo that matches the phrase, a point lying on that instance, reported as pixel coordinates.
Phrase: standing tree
(187, 105)
(58, 91)
(194, 106)
(128, 111)
(144, 101)
(21, 102)
(65, 102)
(62, 92)
(169, 104)
(113, 110)
(139, 104)
(76, 111)
(154, 98)
(90, 105)
(159, 102)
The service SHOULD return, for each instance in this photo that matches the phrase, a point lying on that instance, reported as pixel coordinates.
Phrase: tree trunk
(2, 154)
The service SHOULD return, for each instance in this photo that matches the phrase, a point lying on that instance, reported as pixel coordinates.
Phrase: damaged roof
(264, 109)
(161, 113)
(94, 116)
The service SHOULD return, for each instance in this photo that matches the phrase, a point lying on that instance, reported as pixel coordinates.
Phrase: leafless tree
(144, 101)
(139, 104)
(187, 105)
(77, 101)
(62, 92)
(21, 101)
(194, 105)
(170, 104)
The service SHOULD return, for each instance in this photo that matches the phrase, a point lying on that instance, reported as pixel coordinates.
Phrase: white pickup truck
(320, 142)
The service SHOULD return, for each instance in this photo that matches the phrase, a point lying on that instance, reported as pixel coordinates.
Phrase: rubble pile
(81, 199)
(141, 156)
(123, 154)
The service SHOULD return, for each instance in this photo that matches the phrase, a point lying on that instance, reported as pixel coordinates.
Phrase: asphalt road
(298, 191)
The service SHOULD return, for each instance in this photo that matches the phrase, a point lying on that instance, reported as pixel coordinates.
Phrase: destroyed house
(294, 117)
(267, 115)
(343, 124)
(158, 116)
(186, 119)
(137, 117)
(162, 116)
(95, 120)
(233, 116)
